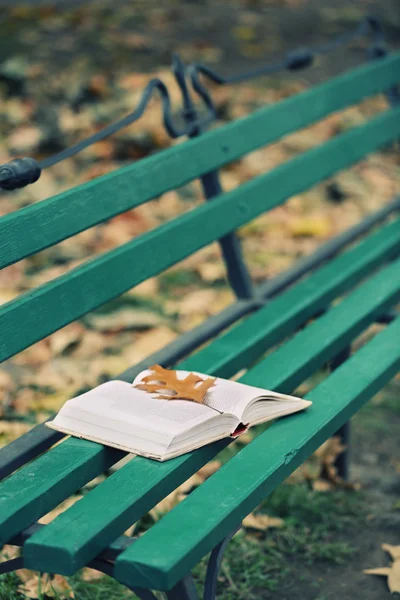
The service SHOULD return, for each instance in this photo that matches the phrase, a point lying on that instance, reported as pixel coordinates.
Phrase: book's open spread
(118, 414)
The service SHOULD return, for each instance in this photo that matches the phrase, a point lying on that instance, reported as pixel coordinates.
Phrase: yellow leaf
(394, 551)
(211, 272)
(175, 497)
(124, 319)
(66, 338)
(9, 552)
(10, 430)
(244, 33)
(394, 578)
(261, 522)
(53, 402)
(198, 302)
(46, 519)
(7, 385)
(320, 485)
(149, 342)
(35, 587)
(318, 226)
(378, 571)
(91, 574)
(209, 469)
(393, 571)
(146, 289)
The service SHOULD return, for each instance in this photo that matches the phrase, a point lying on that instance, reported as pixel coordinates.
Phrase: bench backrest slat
(72, 295)
(46, 223)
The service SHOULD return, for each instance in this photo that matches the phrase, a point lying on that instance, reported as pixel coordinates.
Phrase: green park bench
(298, 307)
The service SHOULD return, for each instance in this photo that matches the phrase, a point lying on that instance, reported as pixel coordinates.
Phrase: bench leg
(214, 563)
(11, 565)
(183, 590)
(342, 462)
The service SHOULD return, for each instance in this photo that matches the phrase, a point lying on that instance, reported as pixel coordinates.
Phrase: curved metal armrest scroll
(23, 171)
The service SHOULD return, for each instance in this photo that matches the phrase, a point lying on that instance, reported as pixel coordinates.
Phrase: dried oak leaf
(261, 522)
(35, 586)
(192, 387)
(393, 571)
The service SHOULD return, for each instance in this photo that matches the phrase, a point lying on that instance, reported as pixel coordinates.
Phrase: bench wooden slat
(79, 534)
(46, 223)
(242, 345)
(30, 493)
(342, 272)
(159, 558)
(70, 296)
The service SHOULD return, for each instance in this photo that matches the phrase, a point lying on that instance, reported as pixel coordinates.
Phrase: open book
(120, 415)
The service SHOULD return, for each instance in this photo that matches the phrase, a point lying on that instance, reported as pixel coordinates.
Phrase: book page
(224, 397)
(232, 397)
(119, 401)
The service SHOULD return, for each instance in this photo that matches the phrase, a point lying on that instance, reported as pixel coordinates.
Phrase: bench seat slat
(242, 345)
(79, 534)
(331, 280)
(162, 556)
(81, 290)
(30, 493)
(46, 223)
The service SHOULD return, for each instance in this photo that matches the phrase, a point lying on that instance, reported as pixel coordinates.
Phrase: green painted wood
(80, 533)
(162, 556)
(72, 295)
(241, 345)
(351, 265)
(32, 492)
(48, 222)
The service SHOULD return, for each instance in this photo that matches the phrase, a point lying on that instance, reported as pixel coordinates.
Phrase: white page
(225, 396)
(120, 402)
(228, 396)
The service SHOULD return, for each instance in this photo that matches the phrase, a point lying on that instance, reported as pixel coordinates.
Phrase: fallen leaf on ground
(311, 227)
(6, 382)
(66, 338)
(261, 522)
(175, 497)
(145, 289)
(91, 574)
(9, 552)
(24, 399)
(147, 343)
(92, 343)
(209, 469)
(244, 439)
(36, 587)
(321, 485)
(393, 571)
(328, 454)
(199, 301)
(10, 430)
(46, 519)
(52, 402)
(320, 468)
(211, 272)
(124, 319)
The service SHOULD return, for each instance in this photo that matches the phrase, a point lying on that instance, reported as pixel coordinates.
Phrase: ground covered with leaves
(313, 537)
